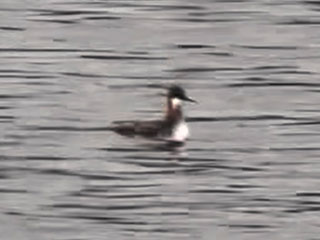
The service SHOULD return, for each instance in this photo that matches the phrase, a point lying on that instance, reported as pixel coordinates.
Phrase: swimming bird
(172, 127)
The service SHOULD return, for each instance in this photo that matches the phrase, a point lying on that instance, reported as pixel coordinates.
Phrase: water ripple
(124, 58)
(11, 28)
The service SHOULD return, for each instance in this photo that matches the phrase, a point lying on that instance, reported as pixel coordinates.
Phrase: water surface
(70, 68)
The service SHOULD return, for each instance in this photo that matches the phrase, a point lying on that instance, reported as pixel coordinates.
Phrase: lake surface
(251, 167)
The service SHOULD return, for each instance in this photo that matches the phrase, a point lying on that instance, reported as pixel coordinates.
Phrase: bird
(172, 127)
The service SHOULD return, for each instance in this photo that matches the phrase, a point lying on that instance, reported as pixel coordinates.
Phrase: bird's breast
(180, 132)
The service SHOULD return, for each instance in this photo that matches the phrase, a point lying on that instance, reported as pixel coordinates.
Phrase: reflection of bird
(172, 127)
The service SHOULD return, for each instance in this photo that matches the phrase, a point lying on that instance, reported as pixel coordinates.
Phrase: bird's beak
(190, 100)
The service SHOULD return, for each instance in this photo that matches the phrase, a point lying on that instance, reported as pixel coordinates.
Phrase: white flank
(180, 132)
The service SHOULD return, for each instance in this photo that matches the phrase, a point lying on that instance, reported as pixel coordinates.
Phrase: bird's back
(151, 128)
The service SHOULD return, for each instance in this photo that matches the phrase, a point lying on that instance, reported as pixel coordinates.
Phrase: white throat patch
(176, 102)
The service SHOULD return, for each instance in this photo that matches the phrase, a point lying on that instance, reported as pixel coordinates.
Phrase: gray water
(251, 167)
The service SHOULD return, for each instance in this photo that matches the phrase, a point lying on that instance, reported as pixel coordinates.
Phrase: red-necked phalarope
(172, 127)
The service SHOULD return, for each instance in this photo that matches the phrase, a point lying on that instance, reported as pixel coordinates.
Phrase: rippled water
(70, 68)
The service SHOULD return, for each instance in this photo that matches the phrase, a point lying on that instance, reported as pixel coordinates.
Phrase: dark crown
(176, 91)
